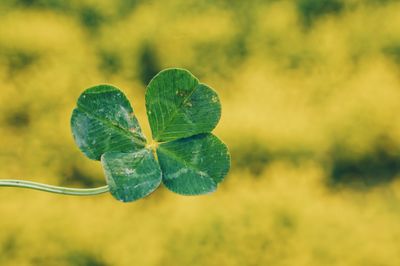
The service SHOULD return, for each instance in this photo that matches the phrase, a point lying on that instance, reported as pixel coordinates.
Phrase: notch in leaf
(179, 106)
(193, 165)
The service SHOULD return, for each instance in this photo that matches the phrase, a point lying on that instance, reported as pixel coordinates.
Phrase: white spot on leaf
(179, 173)
(129, 171)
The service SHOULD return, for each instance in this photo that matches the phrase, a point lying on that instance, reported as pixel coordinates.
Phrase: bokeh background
(310, 91)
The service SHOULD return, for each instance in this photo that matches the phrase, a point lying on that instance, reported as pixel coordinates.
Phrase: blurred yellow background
(310, 93)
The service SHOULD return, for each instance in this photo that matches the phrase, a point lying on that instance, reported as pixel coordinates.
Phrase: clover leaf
(131, 176)
(104, 121)
(178, 106)
(193, 165)
(185, 156)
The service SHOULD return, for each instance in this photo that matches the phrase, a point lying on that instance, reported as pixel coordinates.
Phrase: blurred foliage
(393, 51)
(148, 64)
(310, 10)
(310, 92)
(80, 258)
(380, 165)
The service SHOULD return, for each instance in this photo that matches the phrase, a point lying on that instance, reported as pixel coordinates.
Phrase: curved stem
(53, 189)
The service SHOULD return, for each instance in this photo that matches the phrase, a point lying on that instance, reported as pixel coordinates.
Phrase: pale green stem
(53, 189)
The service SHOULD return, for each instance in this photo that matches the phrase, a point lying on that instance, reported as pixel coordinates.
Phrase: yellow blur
(310, 93)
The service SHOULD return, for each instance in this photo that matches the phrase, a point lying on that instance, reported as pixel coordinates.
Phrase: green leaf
(194, 165)
(178, 106)
(104, 121)
(131, 176)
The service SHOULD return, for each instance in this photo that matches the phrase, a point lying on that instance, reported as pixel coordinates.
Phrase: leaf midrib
(116, 127)
(176, 111)
(184, 163)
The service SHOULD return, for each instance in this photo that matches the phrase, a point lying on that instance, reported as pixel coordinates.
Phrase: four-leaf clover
(184, 154)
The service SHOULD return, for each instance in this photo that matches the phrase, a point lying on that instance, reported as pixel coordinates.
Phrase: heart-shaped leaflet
(182, 112)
